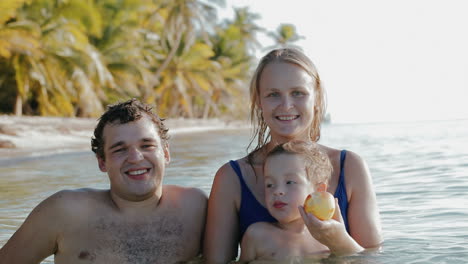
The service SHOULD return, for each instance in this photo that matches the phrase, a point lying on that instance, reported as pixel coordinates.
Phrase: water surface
(419, 170)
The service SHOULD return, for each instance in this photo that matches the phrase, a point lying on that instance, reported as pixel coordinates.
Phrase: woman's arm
(363, 215)
(332, 233)
(363, 212)
(222, 225)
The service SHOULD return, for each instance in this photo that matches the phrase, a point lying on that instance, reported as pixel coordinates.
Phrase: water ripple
(419, 171)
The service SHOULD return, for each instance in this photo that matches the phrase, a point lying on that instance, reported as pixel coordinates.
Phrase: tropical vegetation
(74, 57)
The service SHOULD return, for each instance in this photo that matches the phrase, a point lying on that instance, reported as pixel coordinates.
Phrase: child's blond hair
(317, 164)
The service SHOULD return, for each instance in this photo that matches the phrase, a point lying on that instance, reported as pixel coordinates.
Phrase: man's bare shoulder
(68, 210)
(82, 193)
(68, 195)
(183, 193)
(74, 202)
(64, 197)
(188, 202)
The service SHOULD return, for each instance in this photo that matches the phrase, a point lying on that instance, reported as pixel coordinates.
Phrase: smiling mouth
(287, 118)
(137, 174)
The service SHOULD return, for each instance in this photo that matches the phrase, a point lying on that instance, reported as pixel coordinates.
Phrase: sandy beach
(30, 136)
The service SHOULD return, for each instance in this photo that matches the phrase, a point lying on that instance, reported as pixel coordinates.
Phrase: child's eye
(118, 150)
(148, 146)
(269, 185)
(290, 182)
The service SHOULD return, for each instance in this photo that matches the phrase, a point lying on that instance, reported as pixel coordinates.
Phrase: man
(138, 220)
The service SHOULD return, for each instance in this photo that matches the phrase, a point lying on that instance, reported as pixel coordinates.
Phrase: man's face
(135, 159)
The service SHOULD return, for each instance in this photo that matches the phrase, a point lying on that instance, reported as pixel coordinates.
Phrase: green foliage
(73, 57)
(285, 35)
(8, 9)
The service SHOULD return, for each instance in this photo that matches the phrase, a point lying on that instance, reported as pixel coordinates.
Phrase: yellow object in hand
(320, 204)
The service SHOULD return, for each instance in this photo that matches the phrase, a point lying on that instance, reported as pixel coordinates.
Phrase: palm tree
(188, 84)
(127, 47)
(285, 35)
(187, 79)
(9, 9)
(72, 57)
(47, 71)
(17, 40)
(244, 22)
(183, 19)
(234, 44)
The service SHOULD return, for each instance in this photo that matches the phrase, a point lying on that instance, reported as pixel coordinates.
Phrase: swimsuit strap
(342, 160)
(340, 192)
(251, 210)
(235, 166)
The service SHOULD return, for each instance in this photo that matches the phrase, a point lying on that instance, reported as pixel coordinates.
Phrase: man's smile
(137, 174)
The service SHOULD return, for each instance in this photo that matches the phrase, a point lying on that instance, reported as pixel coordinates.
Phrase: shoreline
(28, 137)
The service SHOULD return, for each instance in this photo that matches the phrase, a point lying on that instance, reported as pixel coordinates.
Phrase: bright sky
(398, 60)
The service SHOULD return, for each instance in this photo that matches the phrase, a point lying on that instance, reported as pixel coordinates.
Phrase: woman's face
(286, 98)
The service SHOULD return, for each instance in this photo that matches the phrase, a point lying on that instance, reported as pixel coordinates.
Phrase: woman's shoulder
(354, 166)
(225, 188)
(356, 172)
(226, 176)
(227, 169)
(335, 155)
(354, 163)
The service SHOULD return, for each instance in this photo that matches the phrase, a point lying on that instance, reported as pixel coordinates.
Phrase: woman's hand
(332, 233)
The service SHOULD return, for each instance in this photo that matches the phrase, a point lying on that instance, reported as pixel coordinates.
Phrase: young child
(292, 171)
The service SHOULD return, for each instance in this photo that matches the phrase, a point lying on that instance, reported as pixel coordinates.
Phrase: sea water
(419, 171)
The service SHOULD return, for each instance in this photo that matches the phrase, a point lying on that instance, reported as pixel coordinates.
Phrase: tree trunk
(206, 110)
(166, 61)
(18, 106)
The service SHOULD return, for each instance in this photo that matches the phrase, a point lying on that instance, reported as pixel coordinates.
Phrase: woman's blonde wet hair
(298, 58)
(317, 164)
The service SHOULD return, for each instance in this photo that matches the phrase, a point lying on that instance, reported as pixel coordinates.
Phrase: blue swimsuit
(252, 211)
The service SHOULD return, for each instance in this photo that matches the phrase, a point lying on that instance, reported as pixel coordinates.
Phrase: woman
(287, 103)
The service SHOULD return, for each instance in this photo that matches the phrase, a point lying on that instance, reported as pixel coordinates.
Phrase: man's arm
(197, 200)
(36, 239)
(190, 205)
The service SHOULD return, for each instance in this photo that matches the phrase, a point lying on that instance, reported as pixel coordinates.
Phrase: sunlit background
(381, 60)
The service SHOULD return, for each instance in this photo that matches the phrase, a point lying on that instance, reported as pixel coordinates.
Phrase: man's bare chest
(103, 240)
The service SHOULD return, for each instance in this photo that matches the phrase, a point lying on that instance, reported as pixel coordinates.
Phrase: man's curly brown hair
(122, 113)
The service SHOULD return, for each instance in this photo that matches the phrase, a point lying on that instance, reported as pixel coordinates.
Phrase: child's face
(286, 186)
